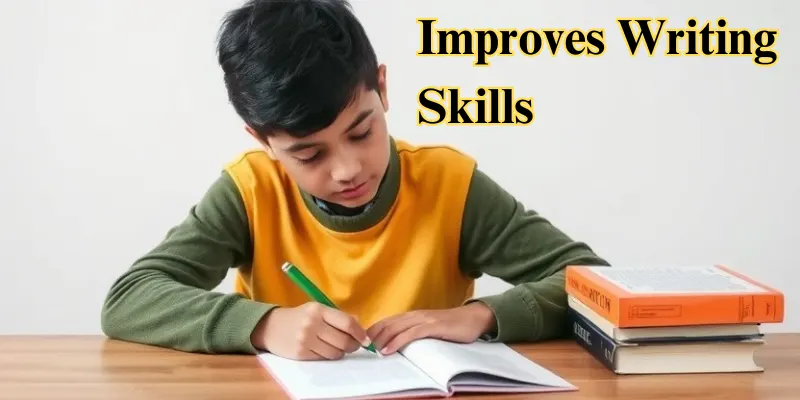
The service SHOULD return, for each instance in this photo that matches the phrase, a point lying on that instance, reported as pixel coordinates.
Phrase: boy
(394, 234)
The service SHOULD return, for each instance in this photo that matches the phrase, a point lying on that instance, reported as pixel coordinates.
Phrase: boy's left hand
(463, 324)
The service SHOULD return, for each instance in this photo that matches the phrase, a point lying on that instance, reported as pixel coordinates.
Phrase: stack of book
(659, 320)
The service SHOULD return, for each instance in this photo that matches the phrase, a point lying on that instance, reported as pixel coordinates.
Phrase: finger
(337, 338)
(346, 324)
(378, 327)
(395, 328)
(410, 335)
(307, 354)
(325, 350)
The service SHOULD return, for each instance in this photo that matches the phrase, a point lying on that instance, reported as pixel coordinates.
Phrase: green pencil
(312, 290)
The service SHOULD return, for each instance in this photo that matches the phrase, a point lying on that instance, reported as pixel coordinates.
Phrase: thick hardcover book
(632, 297)
(705, 356)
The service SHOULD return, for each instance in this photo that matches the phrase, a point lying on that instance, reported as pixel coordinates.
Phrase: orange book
(632, 297)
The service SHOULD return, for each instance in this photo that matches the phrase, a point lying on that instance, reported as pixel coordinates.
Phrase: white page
(436, 361)
(357, 374)
(443, 360)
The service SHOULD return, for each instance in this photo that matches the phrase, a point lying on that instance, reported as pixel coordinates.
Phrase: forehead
(360, 108)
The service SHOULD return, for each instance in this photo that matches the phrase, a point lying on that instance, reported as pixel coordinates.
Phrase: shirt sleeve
(165, 298)
(501, 238)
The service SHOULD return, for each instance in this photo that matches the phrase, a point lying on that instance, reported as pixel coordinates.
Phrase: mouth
(354, 192)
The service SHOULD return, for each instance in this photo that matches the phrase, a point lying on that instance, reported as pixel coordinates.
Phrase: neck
(338, 209)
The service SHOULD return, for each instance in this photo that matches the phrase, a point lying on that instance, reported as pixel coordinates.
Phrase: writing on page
(676, 280)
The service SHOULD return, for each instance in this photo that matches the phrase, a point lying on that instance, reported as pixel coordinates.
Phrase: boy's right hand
(311, 331)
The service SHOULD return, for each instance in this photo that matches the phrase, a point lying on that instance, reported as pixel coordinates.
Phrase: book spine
(603, 301)
(701, 310)
(593, 340)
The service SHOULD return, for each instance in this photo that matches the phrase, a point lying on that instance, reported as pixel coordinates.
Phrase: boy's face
(345, 162)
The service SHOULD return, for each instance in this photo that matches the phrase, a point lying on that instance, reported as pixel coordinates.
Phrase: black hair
(294, 65)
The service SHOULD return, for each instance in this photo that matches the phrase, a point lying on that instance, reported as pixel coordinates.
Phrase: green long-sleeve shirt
(165, 298)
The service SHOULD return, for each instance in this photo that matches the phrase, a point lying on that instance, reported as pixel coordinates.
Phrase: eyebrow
(304, 145)
(358, 119)
(299, 146)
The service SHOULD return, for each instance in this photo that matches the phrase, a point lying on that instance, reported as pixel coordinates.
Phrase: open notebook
(425, 368)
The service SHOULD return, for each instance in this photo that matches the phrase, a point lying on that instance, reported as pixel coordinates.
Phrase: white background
(113, 122)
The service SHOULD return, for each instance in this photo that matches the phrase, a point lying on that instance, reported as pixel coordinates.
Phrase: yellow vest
(407, 261)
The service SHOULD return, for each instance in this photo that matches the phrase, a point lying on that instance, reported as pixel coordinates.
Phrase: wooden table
(92, 367)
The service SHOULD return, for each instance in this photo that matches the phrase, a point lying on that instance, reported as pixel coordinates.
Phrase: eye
(362, 136)
(309, 160)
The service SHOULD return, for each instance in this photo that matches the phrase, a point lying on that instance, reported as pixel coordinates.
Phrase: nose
(345, 168)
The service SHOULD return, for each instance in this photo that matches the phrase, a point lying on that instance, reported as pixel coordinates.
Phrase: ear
(263, 142)
(382, 87)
